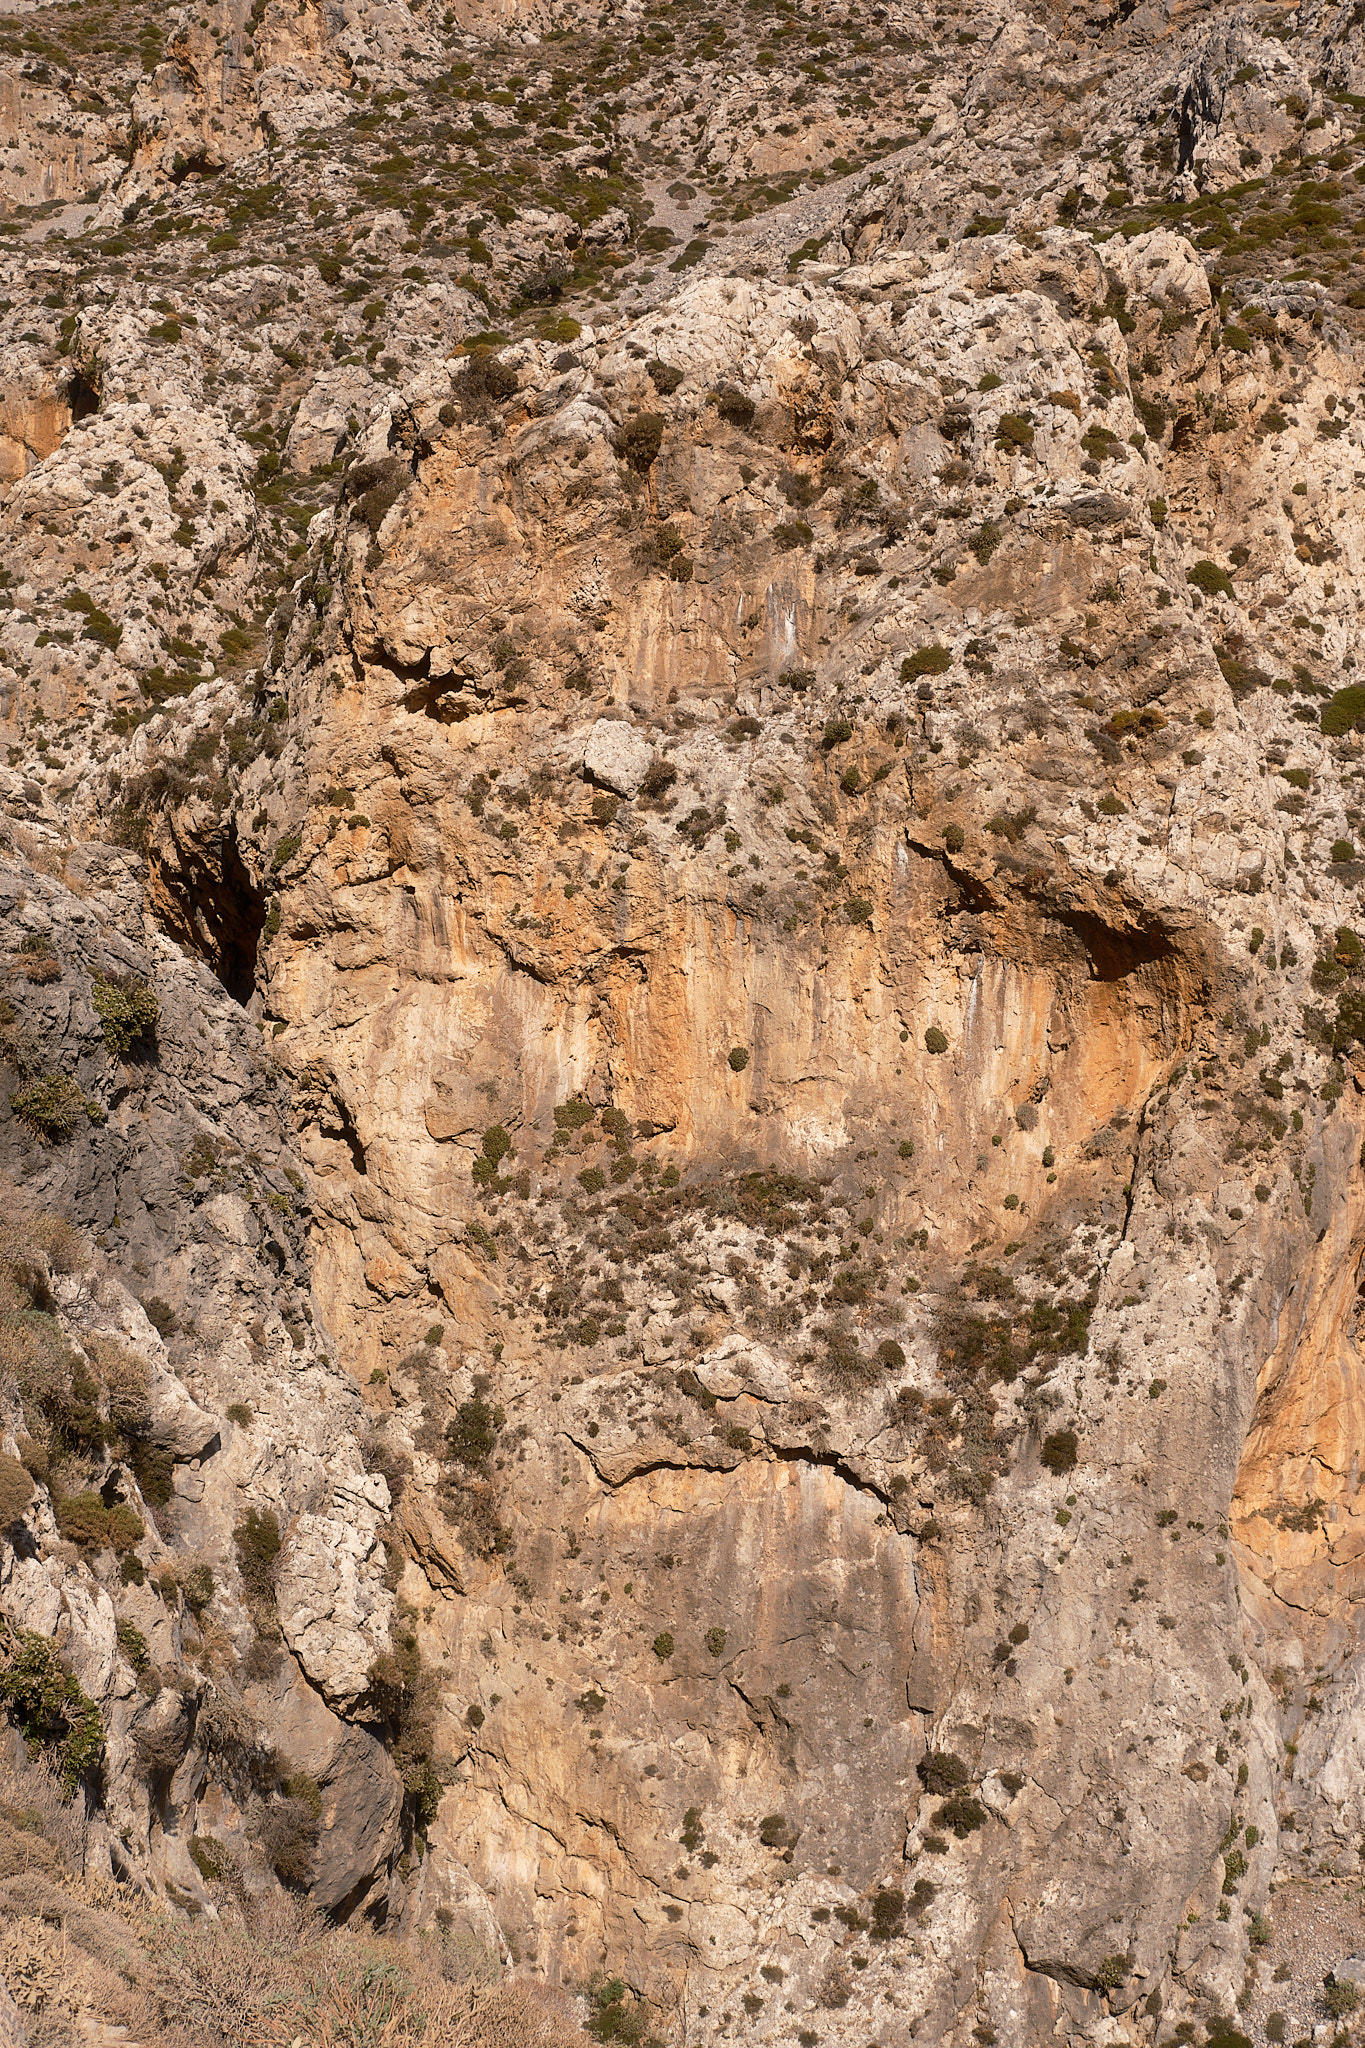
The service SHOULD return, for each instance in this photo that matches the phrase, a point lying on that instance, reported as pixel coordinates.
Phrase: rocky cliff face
(737, 1185)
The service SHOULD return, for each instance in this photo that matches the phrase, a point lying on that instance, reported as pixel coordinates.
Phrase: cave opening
(82, 396)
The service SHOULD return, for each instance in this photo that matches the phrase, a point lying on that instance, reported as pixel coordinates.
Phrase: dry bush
(62, 1954)
(48, 1980)
(286, 1832)
(265, 1980)
(25, 1272)
(125, 1375)
(230, 1737)
(16, 1490)
(35, 1359)
(283, 1976)
(60, 1241)
(159, 1750)
(216, 1983)
(39, 1829)
(514, 2015)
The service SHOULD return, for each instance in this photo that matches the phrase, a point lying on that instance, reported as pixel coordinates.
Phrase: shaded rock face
(740, 1223)
(182, 1301)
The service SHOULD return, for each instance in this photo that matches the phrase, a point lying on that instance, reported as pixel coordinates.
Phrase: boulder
(617, 756)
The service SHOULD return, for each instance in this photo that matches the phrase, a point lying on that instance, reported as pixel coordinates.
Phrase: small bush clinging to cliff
(127, 1008)
(54, 1106)
(257, 1542)
(57, 1717)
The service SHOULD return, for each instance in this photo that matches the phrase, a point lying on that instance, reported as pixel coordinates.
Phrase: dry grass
(283, 1980)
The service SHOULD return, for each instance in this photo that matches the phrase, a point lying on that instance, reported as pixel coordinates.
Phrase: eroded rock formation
(748, 1172)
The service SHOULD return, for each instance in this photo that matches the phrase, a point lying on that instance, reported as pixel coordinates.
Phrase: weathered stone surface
(617, 756)
(753, 1141)
(333, 1607)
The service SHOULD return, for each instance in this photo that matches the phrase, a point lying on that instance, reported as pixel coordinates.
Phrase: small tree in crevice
(257, 1542)
(403, 1697)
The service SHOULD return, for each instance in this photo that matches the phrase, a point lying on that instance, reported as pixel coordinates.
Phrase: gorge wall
(684, 1019)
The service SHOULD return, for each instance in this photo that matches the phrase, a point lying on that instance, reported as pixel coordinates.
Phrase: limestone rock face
(683, 992)
(220, 1394)
(333, 1610)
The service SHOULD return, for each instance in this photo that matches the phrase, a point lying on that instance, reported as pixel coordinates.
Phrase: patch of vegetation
(493, 1149)
(1208, 577)
(1344, 711)
(54, 1106)
(16, 1490)
(962, 1814)
(373, 488)
(257, 1542)
(472, 1433)
(403, 1698)
(615, 2013)
(1060, 1451)
(926, 661)
(56, 1716)
(85, 1521)
(127, 1008)
(942, 1771)
(639, 440)
(1015, 432)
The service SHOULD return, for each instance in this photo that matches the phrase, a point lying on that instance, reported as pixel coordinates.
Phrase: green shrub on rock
(962, 1813)
(257, 1542)
(495, 1146)
(198, 1587)
(56, 1716)
(1208, 577)
(1343, 710)
(84, 1520)
(1060, 1451)
(926, 661)
(53, 1105)
(128, 1010)
(639, 440)
(942, 1771)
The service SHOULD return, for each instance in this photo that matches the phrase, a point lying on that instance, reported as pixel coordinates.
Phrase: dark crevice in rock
(975, 893)
(208, 903)
(1115, 954)
(436, 700)
(344, 1132)
(786, 1454)
(82, 396)
(803, 1454)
